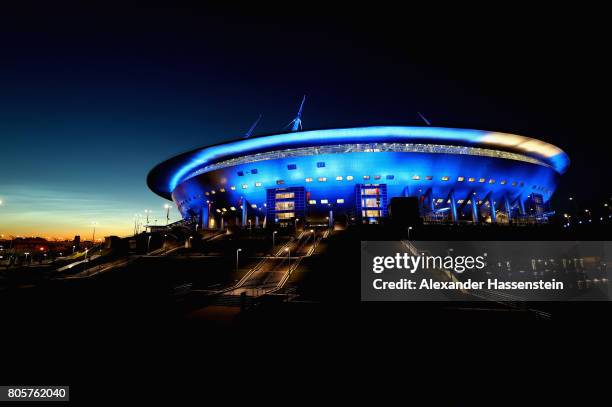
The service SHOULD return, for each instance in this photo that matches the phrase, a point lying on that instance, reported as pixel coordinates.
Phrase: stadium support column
(453, 206)
(256, 221)
(508, 207)
(208, 214)
(205, 215)
(244, 212)
(492, 208)
(474, 209)
(521, 204)
(331, 218)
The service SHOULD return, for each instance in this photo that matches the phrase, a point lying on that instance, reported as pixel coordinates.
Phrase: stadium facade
(456, 176)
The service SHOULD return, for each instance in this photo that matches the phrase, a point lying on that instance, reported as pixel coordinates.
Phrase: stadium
(450, 175)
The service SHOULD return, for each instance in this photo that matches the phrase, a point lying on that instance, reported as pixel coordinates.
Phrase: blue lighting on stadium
(558, 160)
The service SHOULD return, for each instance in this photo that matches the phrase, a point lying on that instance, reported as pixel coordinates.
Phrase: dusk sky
(92, 99)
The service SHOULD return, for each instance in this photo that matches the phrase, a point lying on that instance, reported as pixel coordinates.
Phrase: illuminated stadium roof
(164, 178)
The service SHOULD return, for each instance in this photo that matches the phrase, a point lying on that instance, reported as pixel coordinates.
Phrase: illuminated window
(416, 177)
(232, 208)
(285, 206)
(324, 201)
(370, 203)
(481, 180)
(460, 201)
(222, 190)
(240, 173)
(224, 209)
(440, 200)
(429, 177)
(312, 202)
(376, 176)
(371, 213)
(366, 177)
(471, 179)
(514, 184)
(254, 206)
(369, 191)
(503, 182)
(233, 188)
(292, 167)
(279, 182)
(349, 177)
(254, 171)
(460, 179)
(445, 178)
(213, 192)
(390, 176)
(285, 215)
(340, 200)
(285, 195)
(245, 186)
(308, 180)
(320, 164)
(322, 179)
(491, 181)
(258, 184)
(218, 210)
(207, 193)
(338, 178)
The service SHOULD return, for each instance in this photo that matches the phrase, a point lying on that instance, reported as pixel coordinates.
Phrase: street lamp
(147, 211)
(237, 258)
(295, 224)
(288, 256)
(149, 243)
(273, 242)
(73, 247)
(26, 258)
(409, 229)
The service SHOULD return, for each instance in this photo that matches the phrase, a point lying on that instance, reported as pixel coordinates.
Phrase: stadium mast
(250, 132)
(424, 119)
(296, 124)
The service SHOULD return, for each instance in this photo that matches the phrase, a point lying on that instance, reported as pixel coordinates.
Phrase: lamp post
(273, 242)
(147, 212)
(409, 229)
(26, 258)
(288, 256)
(73, 247)
(237, 258)
(148, 243)
(295, 224)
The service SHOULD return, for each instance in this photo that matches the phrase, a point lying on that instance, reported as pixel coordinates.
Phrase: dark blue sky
(91, 99)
